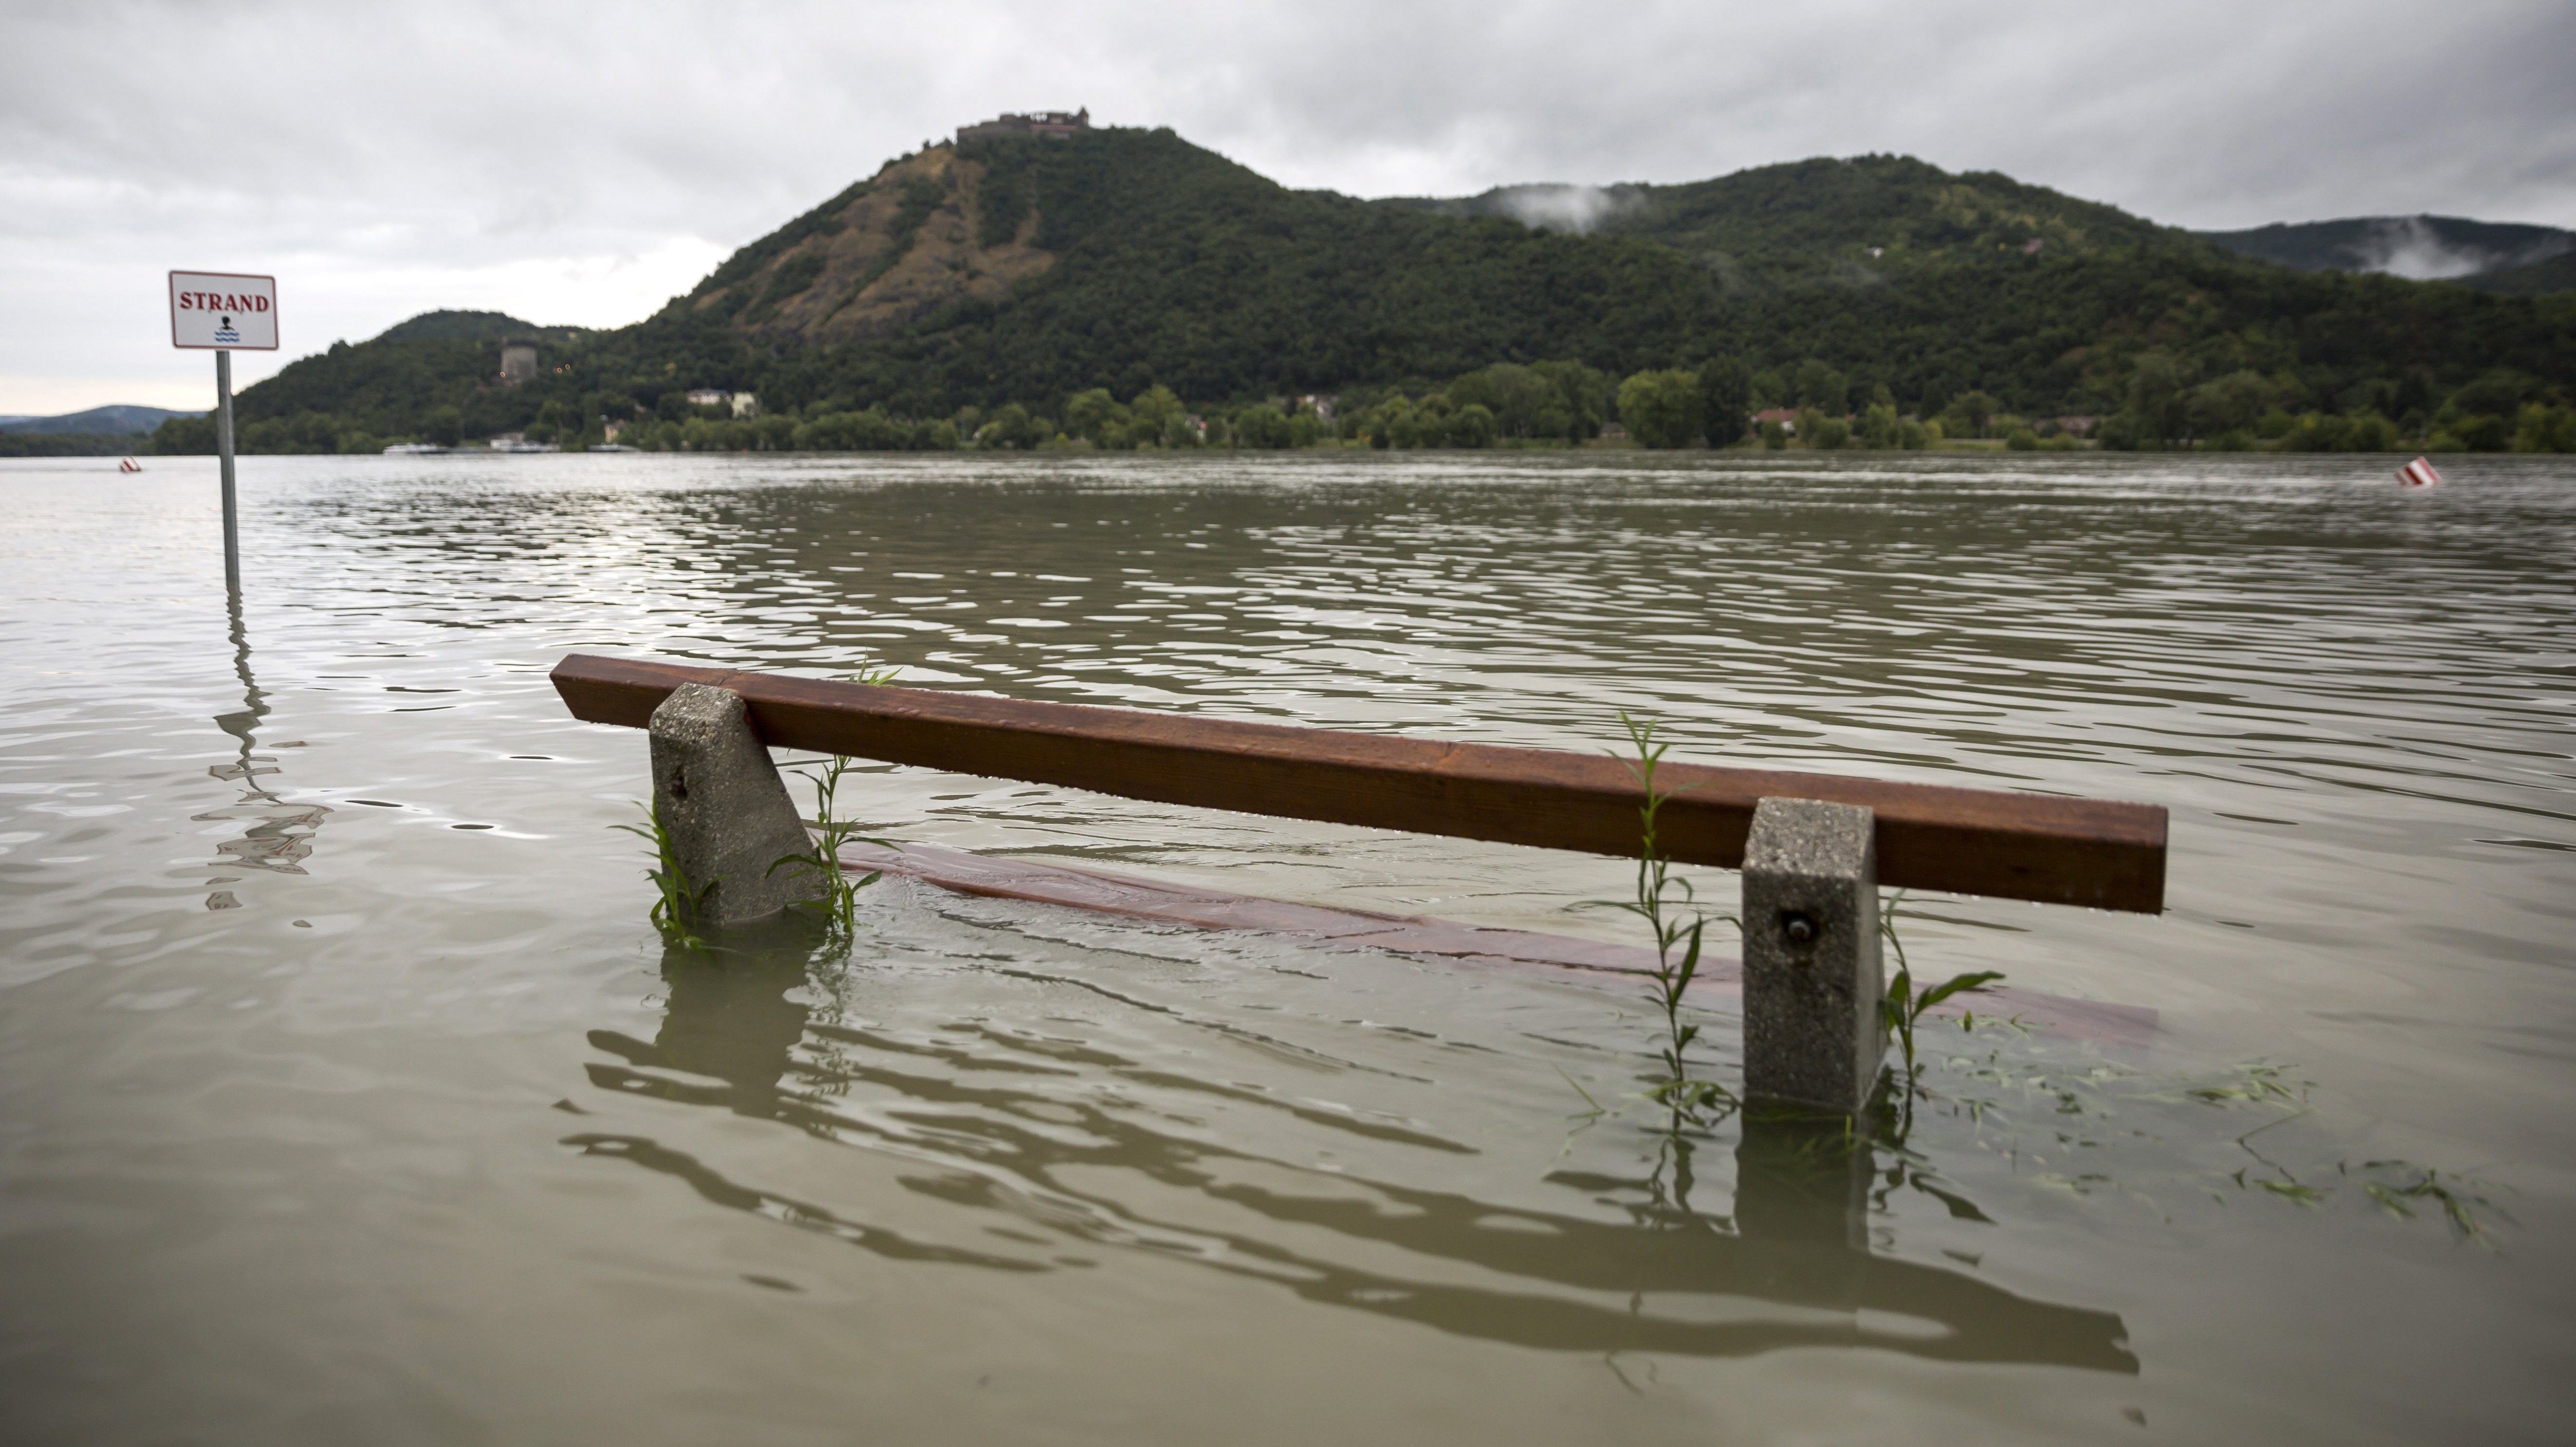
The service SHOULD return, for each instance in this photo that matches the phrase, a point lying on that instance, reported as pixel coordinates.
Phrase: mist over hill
(2420, 248)
(1022, 272)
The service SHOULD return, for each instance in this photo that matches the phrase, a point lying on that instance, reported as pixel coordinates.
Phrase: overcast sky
(581, 164)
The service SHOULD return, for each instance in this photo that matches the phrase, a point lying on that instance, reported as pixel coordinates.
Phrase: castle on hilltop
(1054, 125)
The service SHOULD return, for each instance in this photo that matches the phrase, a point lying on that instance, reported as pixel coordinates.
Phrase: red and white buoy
(129, 465)
(2418, 473)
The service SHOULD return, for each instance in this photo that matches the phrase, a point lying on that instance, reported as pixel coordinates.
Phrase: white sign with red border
(223, 311)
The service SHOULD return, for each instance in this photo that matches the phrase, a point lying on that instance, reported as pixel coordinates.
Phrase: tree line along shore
(1719, 404)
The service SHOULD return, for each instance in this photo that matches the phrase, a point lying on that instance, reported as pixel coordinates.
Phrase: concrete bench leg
(1813, 1035)
(727, 811)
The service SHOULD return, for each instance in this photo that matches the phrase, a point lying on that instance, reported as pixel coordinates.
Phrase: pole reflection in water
(281, 833)
(1792, 1268)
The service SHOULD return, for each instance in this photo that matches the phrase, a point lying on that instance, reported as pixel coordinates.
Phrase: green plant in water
(1663, 901)
(2398, 1187)
(1904, 1003)
(679, 901)
(839, 906)
(2458, 1197)
(2258, 1082)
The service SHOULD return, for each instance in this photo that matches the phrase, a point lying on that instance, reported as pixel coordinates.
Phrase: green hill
(1866, 217)
(1026, 272)
(1875, 214)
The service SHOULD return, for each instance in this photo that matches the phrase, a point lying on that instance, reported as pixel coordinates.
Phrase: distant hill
(1026, 271)
(2420, 248)
(120, 420)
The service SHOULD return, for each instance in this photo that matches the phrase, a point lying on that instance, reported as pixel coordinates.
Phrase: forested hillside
(1861, 220)
(2558, 273)
(1023, 274)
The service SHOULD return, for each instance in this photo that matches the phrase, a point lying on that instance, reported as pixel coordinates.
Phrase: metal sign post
(224, 452)
(224, 312)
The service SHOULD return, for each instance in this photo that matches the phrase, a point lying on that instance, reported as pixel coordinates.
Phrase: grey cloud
(368, 153)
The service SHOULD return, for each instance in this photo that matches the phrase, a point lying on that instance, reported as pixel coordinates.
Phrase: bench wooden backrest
(2043, 847)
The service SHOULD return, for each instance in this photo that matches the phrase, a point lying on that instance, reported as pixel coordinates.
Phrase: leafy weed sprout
(678, 901)
(1904, 1003)
(1662, 901)
(839, 906)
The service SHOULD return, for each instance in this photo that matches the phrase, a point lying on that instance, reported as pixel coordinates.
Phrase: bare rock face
(903, 245)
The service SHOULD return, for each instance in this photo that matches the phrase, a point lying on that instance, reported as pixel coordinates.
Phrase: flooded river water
(346, 1094)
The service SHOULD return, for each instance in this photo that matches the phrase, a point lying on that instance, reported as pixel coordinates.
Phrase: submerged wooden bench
(1814, 847)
